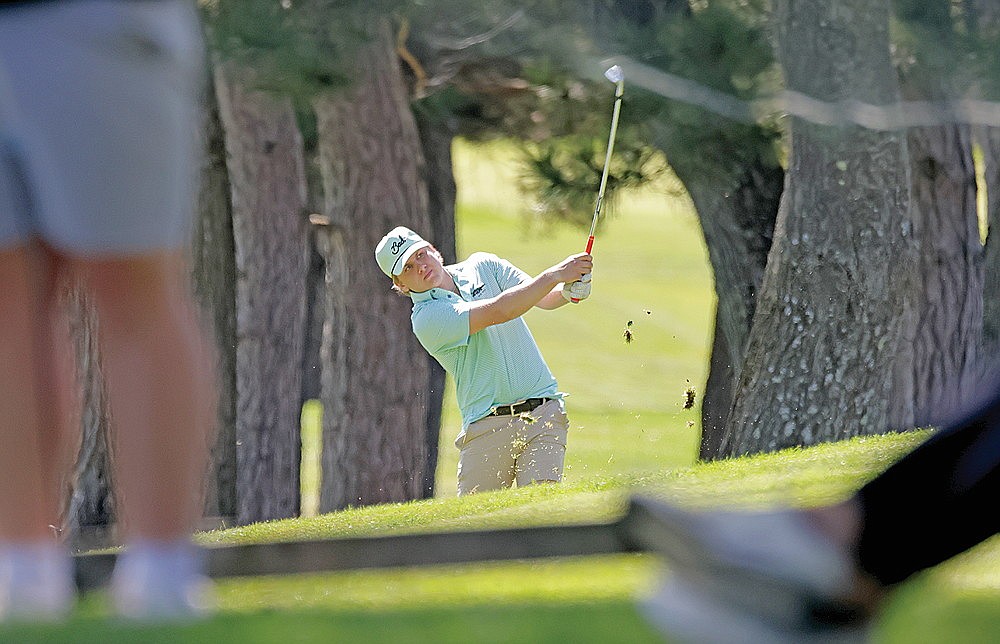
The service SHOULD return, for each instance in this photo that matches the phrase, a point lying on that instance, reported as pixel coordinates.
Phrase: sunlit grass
(311, 468)
(591, 599)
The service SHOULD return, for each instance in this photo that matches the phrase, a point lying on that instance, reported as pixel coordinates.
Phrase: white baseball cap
(396, 247)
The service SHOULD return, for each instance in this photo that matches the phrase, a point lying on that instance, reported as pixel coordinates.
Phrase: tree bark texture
(949, 285)
(985, 25)
(989, 141)
(268, 193)
(737, 217)
(949, 298)
(91, 502)
(375, 387)
(436, 140)
(312, 366)
(828, 348)
(214, 281)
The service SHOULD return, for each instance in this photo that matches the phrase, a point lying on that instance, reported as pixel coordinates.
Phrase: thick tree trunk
(214, 279)
(828, 349)
(375, 387)
(268, 192)
(950, 278)
(737, 218)
(949, 283)
(436, 140)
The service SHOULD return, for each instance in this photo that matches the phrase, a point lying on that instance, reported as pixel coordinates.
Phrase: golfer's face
(422, 271)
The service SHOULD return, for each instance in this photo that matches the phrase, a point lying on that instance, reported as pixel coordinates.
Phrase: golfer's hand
(577, 291)
(573, 268)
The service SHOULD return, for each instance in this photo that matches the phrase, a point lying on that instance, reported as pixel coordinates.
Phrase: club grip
(590, 246)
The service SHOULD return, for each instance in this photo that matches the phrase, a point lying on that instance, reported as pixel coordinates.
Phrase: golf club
(616, 75)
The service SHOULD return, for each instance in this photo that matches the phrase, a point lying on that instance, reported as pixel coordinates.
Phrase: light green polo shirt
(499, 365)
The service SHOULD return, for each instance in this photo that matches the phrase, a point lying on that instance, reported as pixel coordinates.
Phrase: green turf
(573, 599)
(558, 622)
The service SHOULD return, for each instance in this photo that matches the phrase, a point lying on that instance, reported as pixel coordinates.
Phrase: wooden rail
(633, 532)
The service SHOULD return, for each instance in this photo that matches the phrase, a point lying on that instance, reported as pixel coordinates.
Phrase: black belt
(519, 408)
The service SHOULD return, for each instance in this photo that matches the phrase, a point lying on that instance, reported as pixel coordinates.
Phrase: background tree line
(856, 289)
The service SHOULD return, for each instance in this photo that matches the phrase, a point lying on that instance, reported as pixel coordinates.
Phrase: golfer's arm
(512, 303)
(553, 300)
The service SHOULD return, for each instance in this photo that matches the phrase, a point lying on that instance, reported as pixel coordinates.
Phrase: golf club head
(615, 74)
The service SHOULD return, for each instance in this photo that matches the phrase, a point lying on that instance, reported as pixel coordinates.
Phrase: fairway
(625, 400)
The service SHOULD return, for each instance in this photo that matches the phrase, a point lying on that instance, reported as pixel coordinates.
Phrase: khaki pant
(499, 450)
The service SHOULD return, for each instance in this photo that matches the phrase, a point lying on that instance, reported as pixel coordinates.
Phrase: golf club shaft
(619, 90)
(607, 163)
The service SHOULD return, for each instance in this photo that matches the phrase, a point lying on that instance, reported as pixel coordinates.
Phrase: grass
(629, 435)
(589, 599)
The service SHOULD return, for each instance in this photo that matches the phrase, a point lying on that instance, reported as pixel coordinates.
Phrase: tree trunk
(268, 192)
(737, 218)
(312, 365)
(949, 298)
(214, 279)
(989, 141)
(375, 383)
(986, 26)
(436, 140)
(717, 399)
(828, 349)
(90, 508)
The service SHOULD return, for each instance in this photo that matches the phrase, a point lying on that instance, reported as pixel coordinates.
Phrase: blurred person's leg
(158, 370)
(23, 516)
(103, 123)
(158, 367)
(36, 434)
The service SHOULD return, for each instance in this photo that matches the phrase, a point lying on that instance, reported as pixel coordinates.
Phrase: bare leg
(160, 390)
(23, 512)
(35, 430)
(39, 422)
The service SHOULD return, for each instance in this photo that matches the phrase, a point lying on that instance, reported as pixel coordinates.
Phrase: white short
(100, 124)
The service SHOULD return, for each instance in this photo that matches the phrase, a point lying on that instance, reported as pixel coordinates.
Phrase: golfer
(468, 316)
